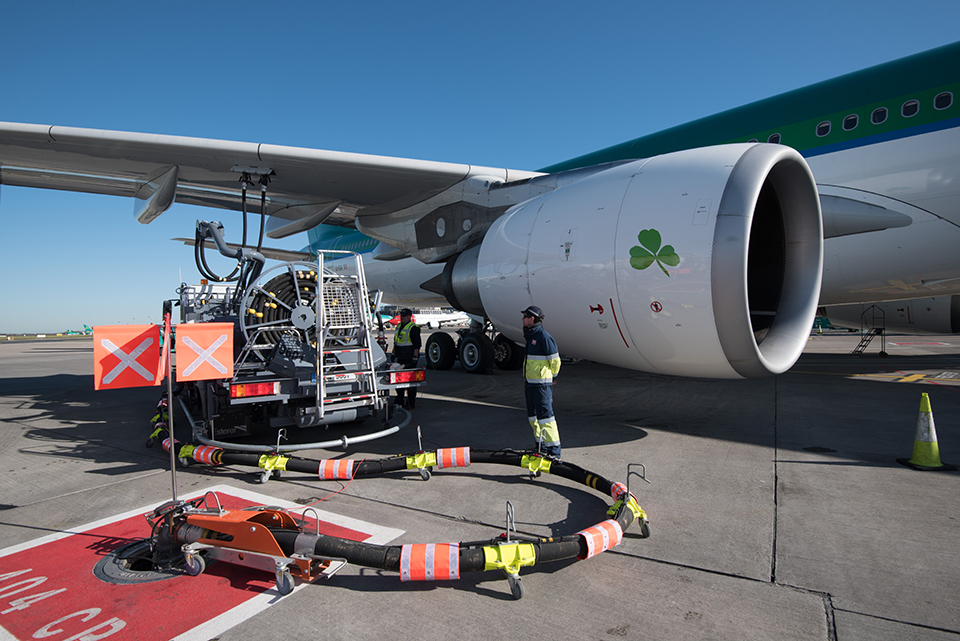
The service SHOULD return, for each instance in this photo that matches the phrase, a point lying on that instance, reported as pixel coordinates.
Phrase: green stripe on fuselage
(796, 114)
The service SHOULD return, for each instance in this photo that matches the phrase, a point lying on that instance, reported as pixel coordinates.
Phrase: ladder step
(346, 403)
(345, 335)
(347, 377)
(864, 341)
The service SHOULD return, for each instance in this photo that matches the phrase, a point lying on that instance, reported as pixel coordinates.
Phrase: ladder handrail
(365, 362)
(874, 330)
(321, 336)
(864, 341)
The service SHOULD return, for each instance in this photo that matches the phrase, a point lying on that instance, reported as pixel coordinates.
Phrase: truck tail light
(408, 376)
(245, 390)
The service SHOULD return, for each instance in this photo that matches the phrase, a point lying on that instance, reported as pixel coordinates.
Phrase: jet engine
(704, 262)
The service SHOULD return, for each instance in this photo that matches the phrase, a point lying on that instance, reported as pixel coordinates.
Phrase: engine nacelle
(940, 315)
(704, 262)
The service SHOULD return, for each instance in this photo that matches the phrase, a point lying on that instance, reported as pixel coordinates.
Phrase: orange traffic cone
(926, 451)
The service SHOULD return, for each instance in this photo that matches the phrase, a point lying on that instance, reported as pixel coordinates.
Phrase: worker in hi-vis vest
(541, 364)
(406, 351)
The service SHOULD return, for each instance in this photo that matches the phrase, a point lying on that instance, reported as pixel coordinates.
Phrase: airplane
(702, 250)
(434, 318)
(86, 331)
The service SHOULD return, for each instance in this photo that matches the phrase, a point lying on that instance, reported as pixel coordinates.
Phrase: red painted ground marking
(48, 589)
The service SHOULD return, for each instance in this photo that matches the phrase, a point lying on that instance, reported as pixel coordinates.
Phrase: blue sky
(518, 85)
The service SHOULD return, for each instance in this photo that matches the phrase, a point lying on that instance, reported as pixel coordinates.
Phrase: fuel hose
(413, 561)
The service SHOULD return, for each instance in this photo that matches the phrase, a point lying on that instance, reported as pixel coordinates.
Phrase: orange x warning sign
(204, 351)
(126, 356)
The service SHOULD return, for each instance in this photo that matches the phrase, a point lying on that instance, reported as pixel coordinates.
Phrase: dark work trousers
(541, 418)
(411, 392)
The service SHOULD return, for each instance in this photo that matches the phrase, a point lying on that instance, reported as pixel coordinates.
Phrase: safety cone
(926, 452)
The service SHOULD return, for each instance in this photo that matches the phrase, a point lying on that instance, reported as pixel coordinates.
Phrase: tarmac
(777, 507)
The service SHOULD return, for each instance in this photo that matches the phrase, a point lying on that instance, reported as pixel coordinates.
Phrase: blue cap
(534, 311)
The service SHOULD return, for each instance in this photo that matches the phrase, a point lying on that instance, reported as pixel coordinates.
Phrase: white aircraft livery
(703, 250)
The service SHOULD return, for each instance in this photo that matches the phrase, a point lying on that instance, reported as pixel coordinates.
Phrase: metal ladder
(872, 331)
(346, 375)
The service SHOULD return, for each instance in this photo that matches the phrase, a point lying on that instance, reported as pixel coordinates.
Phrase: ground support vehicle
(305, 357)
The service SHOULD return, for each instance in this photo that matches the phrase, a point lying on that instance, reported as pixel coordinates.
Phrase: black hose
(243, 208)
(472, 557)
(199, 255)
(387, 557)
(286, 290)
(263, 215)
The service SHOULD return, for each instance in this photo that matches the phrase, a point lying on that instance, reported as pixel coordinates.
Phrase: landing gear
(476, 353)
(441, 351)
(507, 355)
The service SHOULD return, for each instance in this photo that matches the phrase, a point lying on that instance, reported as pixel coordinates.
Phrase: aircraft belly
(923, 170)
(400, 281)
(910, 262)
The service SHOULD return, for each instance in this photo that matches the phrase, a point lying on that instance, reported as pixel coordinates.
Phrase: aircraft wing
(306, 186)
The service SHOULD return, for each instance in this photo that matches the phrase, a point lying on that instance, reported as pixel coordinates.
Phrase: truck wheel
(476, 354)
(507, 355)
(441, 351)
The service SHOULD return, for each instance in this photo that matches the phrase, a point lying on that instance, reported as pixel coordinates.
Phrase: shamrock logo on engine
(650, 251)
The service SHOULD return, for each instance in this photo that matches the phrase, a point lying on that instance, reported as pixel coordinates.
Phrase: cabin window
(879, 116)
(823, 128)
(943, 100)
(774, 138)
(752, 140)
(850, 122)
(910, 108)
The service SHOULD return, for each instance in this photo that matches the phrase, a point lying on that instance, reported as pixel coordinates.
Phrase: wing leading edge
(307, 186)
